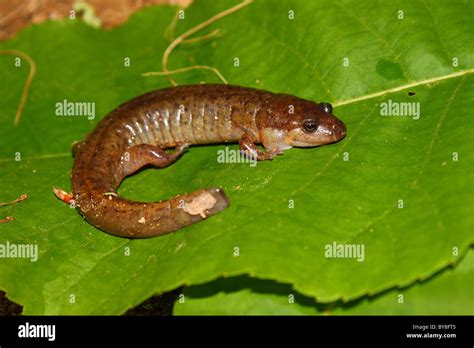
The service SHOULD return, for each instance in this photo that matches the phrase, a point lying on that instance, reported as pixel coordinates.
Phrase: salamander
(138, 132)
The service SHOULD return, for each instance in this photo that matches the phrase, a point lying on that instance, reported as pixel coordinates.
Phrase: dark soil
(8, 307)
(161, 305)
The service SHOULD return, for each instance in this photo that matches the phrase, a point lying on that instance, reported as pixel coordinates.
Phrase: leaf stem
(180, 39)
(401, 88)
(26, 87)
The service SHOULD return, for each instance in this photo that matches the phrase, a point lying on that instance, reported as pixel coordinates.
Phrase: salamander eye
(327, 107)
(310, 126)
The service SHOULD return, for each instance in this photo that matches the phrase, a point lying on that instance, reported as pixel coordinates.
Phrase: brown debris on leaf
(15, 15)
(15, 201)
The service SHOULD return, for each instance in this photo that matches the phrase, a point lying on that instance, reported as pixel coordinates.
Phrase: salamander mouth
(323, 135)
(304, 144)
(297, 143)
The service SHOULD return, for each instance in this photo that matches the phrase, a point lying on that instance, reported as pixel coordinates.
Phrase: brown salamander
(137, 132)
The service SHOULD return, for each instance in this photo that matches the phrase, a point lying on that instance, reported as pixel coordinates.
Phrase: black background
(133, 331)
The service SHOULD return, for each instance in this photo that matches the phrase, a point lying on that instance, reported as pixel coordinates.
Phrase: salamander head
(297, 122)
(314, 125)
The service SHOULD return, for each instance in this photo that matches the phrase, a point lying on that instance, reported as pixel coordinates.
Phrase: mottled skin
(135, 134)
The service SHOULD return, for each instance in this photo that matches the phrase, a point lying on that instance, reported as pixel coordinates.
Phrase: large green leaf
(354, 201)
(449, 293)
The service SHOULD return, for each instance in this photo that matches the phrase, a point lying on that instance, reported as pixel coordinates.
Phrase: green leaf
(82, 270)
(448, 293)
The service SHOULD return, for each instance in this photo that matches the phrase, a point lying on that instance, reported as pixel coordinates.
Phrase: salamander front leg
(249, 149)
(143, 154)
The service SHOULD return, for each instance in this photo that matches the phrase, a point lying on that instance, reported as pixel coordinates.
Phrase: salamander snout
(314, 131)
(337, 128)
(330, 129)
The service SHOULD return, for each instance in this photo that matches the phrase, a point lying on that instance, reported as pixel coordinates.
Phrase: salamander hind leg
(140, 155)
